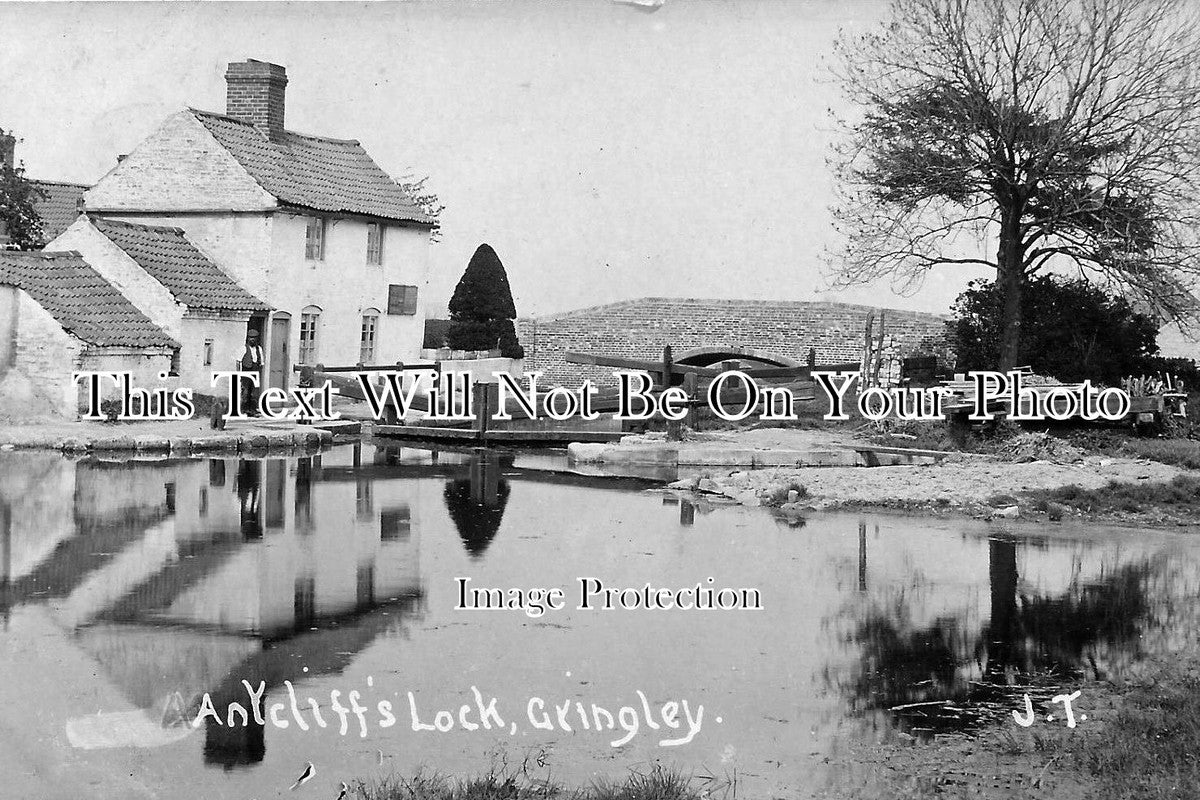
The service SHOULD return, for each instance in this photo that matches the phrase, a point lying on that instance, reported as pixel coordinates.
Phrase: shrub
(482, 309)
(1071, 330)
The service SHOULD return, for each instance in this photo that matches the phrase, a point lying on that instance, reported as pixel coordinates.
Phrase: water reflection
(145, 581)
(178, 583)
(476, 503)
(951, 675)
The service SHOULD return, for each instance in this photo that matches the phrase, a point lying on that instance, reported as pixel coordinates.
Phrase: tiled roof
(81, 300)
(60, 207)
(334, 175)
(173, 261)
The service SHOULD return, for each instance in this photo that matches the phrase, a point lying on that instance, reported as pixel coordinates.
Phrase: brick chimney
(8, 150)
(254, 92)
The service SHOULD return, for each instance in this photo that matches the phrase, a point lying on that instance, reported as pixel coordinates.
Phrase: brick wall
(256, 92)
(144, 366)
(41, 357)
(179, 167)
(37, 377)
(640, 329)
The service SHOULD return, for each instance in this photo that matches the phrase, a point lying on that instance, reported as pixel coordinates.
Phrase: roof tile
(167, 255)
(333, 175)
(81, 300)
(59, 208)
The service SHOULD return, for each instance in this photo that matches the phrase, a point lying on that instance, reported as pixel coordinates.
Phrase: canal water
(135, 596)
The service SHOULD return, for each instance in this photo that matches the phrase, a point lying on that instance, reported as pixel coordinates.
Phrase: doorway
(278, 361)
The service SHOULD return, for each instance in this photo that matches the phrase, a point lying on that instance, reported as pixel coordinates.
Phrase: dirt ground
(961, 481)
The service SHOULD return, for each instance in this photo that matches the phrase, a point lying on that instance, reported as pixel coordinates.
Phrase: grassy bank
(657, 784)
(1151, 748)
(1141, 742)
(1176, 501)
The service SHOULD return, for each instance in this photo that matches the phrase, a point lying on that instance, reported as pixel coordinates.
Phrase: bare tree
(426, 200)
(1065, 129)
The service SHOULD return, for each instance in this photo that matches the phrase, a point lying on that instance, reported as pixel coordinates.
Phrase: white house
(310, 225)
(174, 284)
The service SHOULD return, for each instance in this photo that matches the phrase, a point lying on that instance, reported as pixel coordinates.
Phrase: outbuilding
(177, 286)
(59, 316)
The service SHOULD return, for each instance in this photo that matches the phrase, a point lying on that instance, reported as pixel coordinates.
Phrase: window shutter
(402, 300)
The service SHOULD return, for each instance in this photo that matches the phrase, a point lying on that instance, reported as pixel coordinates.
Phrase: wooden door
(278, 361)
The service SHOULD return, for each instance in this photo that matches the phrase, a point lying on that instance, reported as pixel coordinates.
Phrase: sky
(605, 152)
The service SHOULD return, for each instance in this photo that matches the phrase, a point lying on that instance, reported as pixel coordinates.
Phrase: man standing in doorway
(252, 361)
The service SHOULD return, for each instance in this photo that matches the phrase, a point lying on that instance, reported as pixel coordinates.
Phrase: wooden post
(480, 409)
(862, 556)
(865, 370)
(689, 388)
(878, 351)
(666, 367)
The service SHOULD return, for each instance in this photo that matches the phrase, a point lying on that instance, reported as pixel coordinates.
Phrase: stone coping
(240, 440)
(682, 455)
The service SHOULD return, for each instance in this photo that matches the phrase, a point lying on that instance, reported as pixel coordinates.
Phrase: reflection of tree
(1024, 637)
(904, 666)
(476, 504)
(1111, 612)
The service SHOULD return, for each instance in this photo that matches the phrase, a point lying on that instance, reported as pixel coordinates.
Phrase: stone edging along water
(681, 454)
(217, 442)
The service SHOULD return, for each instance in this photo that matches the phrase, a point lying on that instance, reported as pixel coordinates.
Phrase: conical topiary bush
(482, 309)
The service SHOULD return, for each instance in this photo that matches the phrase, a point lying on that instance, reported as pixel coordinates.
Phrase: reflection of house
(311, 225)
(175, 285)
(311, 550)
(195, 575)
(58, 316)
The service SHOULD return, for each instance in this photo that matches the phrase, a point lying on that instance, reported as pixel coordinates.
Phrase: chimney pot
(255, 92)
